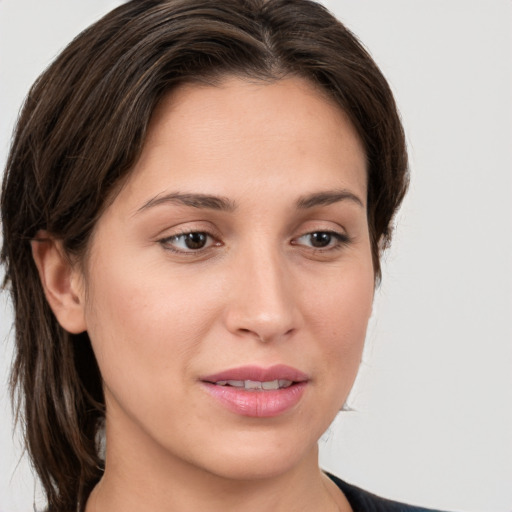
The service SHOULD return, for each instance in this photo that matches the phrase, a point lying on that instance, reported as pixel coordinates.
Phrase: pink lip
(278, 371)
(260, 403)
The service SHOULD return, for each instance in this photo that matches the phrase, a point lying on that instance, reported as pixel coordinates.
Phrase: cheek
(339, 315)
(145, 321)
(342, 304)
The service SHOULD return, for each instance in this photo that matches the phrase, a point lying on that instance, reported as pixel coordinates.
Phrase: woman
(194, 208)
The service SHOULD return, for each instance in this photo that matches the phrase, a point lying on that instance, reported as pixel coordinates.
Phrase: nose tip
(263, 304)
(266, 332)
(247, 322)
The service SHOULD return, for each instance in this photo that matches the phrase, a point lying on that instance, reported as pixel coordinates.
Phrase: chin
(248, 467)
(256, 456)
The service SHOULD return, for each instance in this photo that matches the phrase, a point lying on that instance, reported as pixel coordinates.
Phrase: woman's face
(236, 256)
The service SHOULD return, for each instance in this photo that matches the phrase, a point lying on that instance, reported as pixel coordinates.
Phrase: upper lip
(258, 373)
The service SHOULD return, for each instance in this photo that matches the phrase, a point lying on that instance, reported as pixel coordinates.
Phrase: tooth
(272, 384)
(252, 384)
(256, 384)
(236, 383)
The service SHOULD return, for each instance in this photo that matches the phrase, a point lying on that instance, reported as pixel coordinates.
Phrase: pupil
(195, 240)
(320, 239)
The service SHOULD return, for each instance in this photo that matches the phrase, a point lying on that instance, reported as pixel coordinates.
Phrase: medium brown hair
(79, 134)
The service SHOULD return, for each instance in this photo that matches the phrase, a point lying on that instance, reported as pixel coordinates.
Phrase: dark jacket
(363, 501)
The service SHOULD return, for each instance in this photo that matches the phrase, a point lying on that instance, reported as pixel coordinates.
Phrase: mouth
(256, 385)
(257, 392)
(256, 378)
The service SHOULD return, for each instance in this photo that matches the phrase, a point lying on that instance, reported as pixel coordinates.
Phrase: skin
(161, 315)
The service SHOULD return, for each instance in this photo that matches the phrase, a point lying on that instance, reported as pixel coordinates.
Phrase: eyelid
(342, 239)
(166, 241)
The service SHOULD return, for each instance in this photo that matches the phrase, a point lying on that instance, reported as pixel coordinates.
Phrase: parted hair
(81, 130)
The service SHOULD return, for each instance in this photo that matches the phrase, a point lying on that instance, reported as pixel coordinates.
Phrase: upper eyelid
(206, 227)
(317, 227)
(166, 243)
(215, 234)
(342, 237)
(187, 232)
(183, 229)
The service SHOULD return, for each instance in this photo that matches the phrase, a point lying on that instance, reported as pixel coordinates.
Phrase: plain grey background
(433, 402)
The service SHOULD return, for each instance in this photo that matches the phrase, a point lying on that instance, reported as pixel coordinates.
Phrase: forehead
(213, 138)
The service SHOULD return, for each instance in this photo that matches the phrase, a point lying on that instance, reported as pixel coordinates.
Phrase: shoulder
(364, 501)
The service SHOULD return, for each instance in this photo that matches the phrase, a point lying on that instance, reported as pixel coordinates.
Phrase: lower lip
(257, 404)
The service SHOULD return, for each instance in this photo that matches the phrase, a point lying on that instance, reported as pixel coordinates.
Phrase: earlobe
(61, 281)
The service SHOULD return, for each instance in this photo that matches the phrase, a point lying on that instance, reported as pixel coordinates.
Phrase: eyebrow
(224, 204)
(327, 198)
(193, 200)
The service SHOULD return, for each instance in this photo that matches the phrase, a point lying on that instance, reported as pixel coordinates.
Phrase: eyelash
(340, 240)
(167, 242)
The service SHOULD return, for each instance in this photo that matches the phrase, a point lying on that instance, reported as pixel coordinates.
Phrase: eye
(322, 240)
(192, 241)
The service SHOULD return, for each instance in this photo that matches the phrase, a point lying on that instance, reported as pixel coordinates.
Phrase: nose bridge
(262, 303)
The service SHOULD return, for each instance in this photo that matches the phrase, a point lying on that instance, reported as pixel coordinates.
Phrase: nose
(262, 303)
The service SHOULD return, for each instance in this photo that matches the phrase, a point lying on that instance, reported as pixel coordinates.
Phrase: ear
(62, 282)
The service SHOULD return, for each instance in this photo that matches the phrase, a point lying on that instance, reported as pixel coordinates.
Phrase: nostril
(265, 336)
